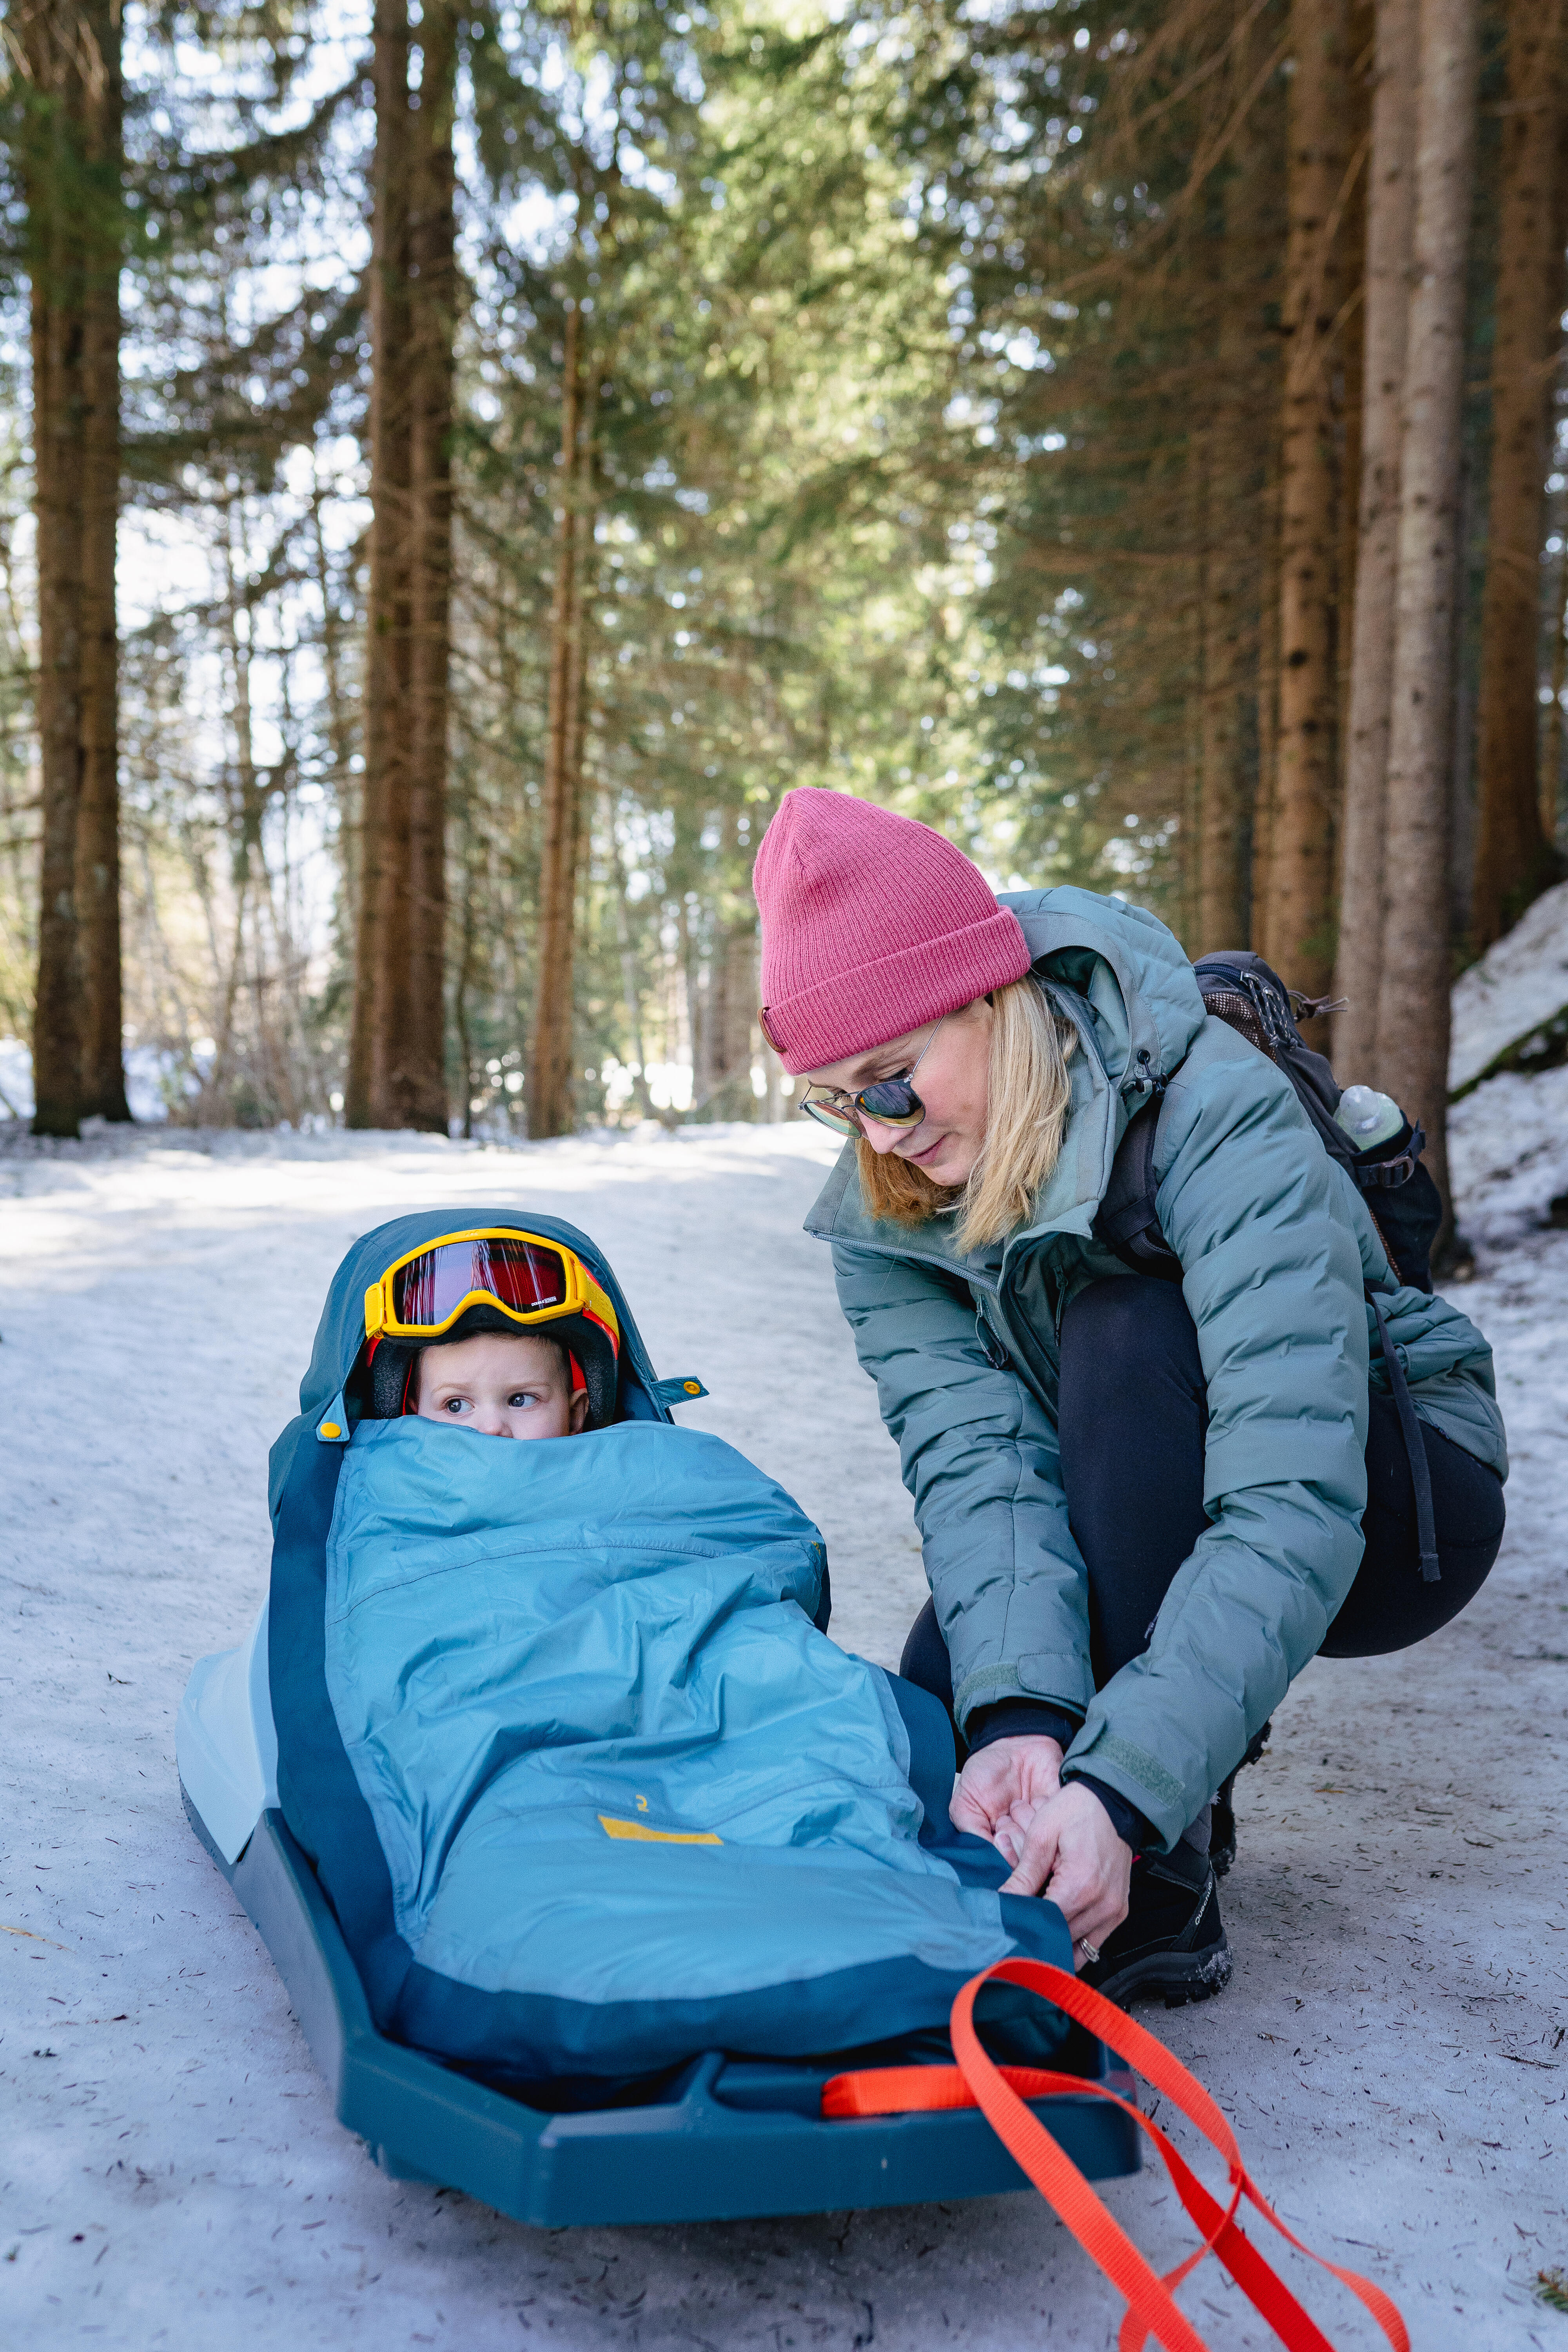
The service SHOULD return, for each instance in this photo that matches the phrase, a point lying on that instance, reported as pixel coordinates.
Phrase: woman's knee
(1129, 1346)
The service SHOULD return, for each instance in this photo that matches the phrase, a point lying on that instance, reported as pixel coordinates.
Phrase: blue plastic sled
(732, 2140)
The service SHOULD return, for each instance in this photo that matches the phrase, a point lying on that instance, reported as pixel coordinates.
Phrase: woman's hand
(1073, 1853)
(1003, 1787)
(1058, 1839)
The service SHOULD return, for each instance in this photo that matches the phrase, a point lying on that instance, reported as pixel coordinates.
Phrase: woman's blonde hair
(1025, 1117)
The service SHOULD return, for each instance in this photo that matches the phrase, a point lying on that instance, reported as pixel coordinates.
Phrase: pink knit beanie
(872, 925)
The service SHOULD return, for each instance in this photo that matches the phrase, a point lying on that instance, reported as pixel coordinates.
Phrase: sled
(732, 2140)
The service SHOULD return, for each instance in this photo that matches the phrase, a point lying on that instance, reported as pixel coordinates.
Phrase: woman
(1144, 1505)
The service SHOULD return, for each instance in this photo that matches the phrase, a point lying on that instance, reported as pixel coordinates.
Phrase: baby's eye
(520, 1398)
(454, 1405)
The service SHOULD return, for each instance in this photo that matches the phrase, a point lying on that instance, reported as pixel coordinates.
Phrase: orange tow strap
(901, 2090)
(1000, 2091)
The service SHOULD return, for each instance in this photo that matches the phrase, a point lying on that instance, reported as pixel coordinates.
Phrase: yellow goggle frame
(583, 1295)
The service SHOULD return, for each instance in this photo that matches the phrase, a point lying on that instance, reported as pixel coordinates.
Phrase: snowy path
(1391, 2048)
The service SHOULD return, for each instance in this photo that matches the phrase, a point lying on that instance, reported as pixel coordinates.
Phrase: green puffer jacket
(1277, 1246)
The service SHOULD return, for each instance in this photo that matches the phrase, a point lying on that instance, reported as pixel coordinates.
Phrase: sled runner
(586, 1859)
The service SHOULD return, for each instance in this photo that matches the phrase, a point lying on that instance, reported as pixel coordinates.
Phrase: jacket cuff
(1021, 1719)
(1046, 1680)
(1138, 1778)
(1133, 1828)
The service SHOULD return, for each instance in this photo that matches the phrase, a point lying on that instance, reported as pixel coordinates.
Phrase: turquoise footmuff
(573, 1806)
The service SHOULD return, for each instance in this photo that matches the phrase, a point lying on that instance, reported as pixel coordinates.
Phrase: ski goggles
(891, 1102)
(532, 1280)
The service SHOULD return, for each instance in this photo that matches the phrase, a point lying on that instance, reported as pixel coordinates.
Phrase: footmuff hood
(335, 1392)
(587, 1787)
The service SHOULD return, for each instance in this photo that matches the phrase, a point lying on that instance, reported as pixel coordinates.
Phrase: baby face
(501, 1387)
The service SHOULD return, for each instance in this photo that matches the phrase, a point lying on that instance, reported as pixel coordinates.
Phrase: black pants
(1132, 1417)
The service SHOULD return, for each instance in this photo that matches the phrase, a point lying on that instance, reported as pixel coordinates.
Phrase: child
(515, 1385)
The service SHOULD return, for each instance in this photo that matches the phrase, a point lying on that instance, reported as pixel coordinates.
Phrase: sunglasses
(532, 1280)
(891, 1102)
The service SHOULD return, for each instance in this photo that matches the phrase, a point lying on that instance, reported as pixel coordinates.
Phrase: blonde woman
(1144, 1503)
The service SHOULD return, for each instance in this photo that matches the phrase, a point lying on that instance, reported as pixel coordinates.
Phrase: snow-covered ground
(1391, 2048)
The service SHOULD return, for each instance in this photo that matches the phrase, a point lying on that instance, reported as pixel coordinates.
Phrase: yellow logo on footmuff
(619, 1829)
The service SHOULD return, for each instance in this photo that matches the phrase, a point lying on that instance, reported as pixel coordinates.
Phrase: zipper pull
(996, 1354)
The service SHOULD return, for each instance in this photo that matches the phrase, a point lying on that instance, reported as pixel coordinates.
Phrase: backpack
(1241, 990)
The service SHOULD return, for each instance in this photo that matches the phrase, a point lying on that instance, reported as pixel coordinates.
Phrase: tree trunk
(72, 164)
(1268, 706)
(382, 827)
(1514, 860)
(1350, 357)
(1552, 745)
(98, 822)
(1237, 482)
(1297, 917)
(631, 994)
(397, 1047)
(1389, 214)
(462, 988)
(552, 1103)
(1412, 1060)
(340, 736)
(433, 253)
(731, 1017)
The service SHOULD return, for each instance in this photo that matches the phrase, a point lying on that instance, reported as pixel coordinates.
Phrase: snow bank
(1508, 1156)
(1507, 1136)
(1519, 986)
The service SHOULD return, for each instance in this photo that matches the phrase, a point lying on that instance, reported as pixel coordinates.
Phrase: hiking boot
(1222, 1820)
(1172, 1945)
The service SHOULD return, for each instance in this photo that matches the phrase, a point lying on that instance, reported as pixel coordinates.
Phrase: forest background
(464, 465)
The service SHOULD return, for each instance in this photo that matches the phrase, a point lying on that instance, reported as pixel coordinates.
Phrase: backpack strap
(1127, 1221)
(1001, 2091)
(1387, 1175)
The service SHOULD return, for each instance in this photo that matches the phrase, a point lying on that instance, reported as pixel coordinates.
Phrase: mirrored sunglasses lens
(894, 1102)
(838, 1121)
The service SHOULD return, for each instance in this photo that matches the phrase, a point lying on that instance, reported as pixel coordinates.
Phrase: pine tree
(1389, 214)
(73, 166)
(1514, 858)
(1240, 413)
(1293, 919)
(397, 1059)
(1412, 1058)
(552, 1057)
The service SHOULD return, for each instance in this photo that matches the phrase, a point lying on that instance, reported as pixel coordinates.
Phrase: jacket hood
(1122, 978)
(1132, 971)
